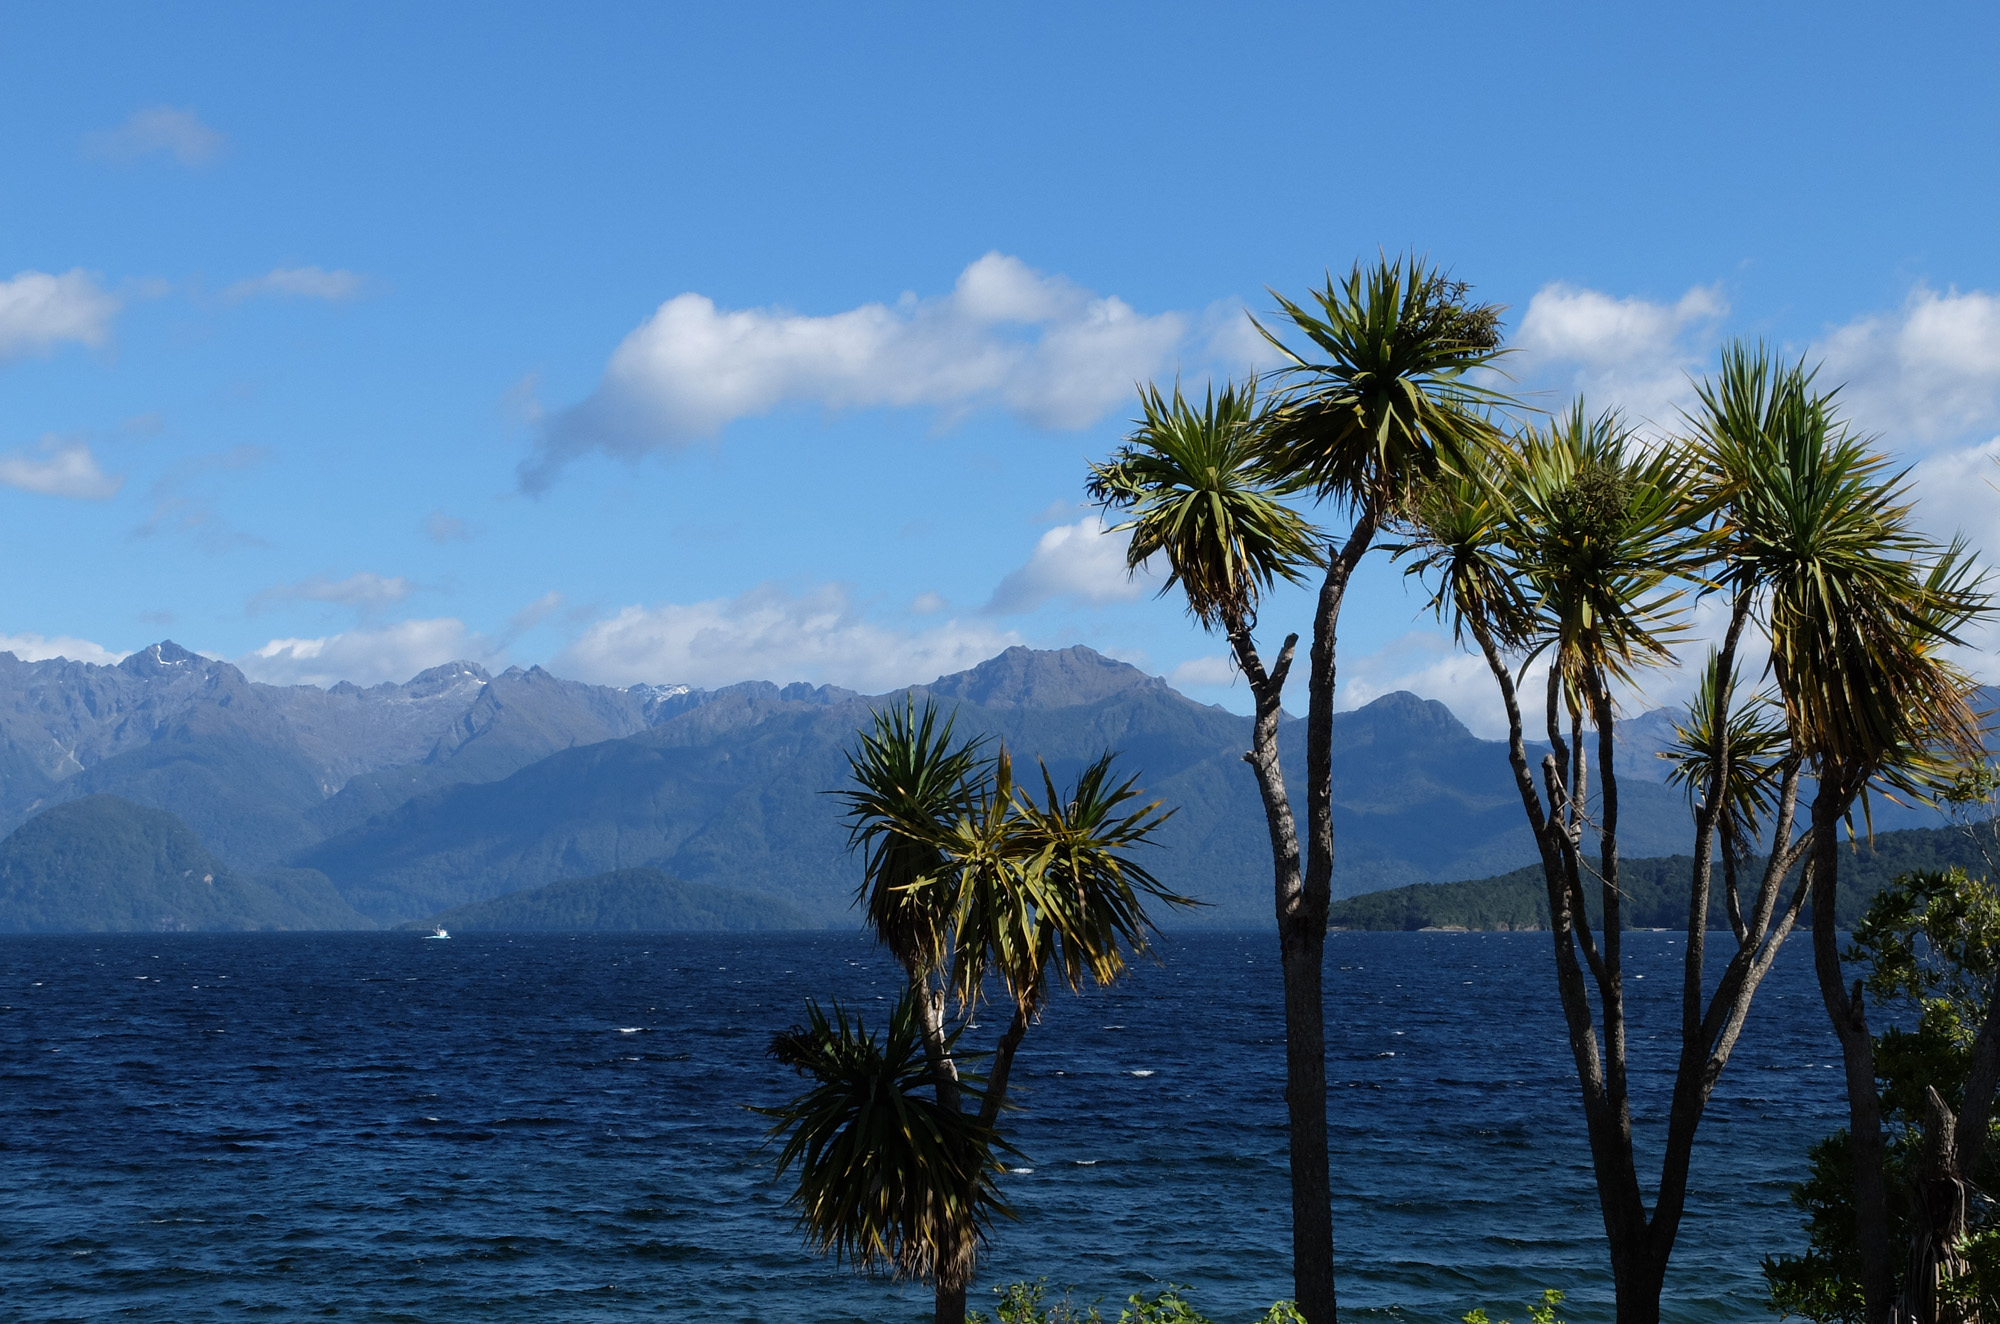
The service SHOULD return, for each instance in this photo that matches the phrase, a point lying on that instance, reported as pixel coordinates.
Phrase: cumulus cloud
(1426, 664)
(367, 656)
(1955, 487)
(298, 283)
(1218, 671)
(61, 467)
(365, 590)
(170, 131)
(1081, 562)
(1631, 352)
(1006, 336)
(40, 648)
(1956, 494)
(819, 635)
(1928, 371)
(39, 311)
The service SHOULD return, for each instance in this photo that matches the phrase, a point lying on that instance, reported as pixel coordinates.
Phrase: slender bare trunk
(1844, 1007)
(1003, 1065)
(1312, 1201)
(956, 1267)
(1313, 1231)
(1301, 914)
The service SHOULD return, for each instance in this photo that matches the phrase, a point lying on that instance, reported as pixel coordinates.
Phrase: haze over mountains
(460, 787)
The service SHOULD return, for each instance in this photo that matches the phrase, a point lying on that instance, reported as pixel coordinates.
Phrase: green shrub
(1545, 1313)
(1027, 1303)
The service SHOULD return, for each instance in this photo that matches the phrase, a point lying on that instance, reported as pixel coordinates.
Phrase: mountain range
(460, 787)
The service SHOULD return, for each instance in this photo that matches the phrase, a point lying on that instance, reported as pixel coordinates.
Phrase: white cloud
(1006, 336)
(928, 604)
(1927, 371)
(366, 656)
(40, 648)
(1234, 343)
(365, 590)
(1426, 664)
(39, 311)
(59, 467)
(167, 130)
(771, 634)
(1956, 493)
(298, 283)
(1218, 671)
(1082, 562)
(1631, 352)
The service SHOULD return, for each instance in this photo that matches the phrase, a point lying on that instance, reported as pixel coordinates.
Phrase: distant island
(1655, 889)
(627, 900)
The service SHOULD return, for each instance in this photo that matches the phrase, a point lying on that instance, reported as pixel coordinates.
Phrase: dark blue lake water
(379, 1127)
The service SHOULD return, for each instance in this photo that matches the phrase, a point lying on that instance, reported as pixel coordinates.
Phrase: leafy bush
(1545, 1313)
(1931, 946)
(1027, 1303)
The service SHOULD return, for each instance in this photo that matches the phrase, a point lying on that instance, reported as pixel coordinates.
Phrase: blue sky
(718, 343)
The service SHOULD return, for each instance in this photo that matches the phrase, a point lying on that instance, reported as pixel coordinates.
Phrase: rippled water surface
(552, 1127)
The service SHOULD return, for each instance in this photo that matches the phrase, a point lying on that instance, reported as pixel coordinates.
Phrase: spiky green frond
(1604, 536)
(1756, 743)
(888, 1178)
(1087, 892)
(1382, 390)
(1196, 489)
(969, 875)
(1050, 887)
(906, 778)
(1454, 535)
(1859, 606)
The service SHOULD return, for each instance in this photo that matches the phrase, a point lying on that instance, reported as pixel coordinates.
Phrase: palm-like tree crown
(1455, 536)
(1199, 491)
(1380, 393)
(1601, 529)
(1859, 605)
(906, 777)
(1078, 907)
(889, 1178)
(967, 875)
(1751, 739)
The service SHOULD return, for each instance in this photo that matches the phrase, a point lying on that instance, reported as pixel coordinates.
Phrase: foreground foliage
(1931, 948)
(1028, 1303)
(1543, 1312)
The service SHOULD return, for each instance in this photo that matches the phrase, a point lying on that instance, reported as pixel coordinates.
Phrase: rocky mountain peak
(163, 656)
(444, 679)
(1038, 678)
(1401, 716)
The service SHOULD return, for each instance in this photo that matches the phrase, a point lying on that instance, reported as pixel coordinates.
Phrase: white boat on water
(437, 932)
